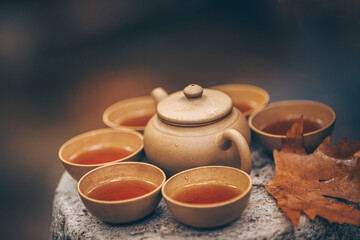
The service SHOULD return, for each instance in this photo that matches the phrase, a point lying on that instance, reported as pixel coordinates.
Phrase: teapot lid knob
(193, 91)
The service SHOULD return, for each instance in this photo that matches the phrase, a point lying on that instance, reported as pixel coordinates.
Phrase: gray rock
(262, 219)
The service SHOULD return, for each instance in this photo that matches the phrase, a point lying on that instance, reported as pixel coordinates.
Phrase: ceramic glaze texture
(128, 210)
(293, 109)
(176, 147)
(213, 214)
(248, 98)
(106, 137)
(118, 113)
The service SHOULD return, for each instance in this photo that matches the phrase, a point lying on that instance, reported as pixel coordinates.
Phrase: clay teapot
(196, 127)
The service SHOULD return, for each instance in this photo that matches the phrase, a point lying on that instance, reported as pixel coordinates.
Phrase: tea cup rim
(98, 131)
(115, 106)
(286, 103)
(125, 200)
(247, 87)
(207, 205)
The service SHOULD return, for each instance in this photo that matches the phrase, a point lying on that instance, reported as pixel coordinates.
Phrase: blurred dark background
(63, 62)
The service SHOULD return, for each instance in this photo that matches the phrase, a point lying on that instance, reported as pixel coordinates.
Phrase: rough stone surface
(262, 219)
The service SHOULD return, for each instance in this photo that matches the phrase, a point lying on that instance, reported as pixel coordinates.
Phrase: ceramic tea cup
(200, 210)
(131, 113)
(269, 125)
(95, 148)
(247, 98)
(107, 198)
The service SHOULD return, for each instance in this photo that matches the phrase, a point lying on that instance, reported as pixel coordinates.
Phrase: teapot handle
(158, 94)
(231, 135)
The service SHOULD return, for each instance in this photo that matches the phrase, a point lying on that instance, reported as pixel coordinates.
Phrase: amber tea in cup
(282, 126)
(135, 121)
(206, 193)
(121, 189)
(101, 155)
(243, 107)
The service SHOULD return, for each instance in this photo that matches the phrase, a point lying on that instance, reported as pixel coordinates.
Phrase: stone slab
(262, 219)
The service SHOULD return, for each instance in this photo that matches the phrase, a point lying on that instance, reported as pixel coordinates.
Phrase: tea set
(196, 137)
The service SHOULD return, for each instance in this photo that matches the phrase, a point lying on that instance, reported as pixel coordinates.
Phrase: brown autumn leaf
(314, 183)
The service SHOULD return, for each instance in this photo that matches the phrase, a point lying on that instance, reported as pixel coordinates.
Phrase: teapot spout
(158, 94)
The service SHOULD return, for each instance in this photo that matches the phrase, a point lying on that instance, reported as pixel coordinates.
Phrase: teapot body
(177, 148)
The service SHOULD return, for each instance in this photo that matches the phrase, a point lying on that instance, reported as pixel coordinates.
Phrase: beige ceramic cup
(247, 98)
(208, 215)
(120, 114)
(292, 109)
(122, 211)
(106, 137)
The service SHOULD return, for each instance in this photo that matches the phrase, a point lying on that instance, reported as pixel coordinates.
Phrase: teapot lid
(194, 106)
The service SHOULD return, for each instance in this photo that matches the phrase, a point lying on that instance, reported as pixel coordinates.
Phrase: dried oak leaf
(313, 183)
